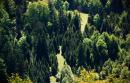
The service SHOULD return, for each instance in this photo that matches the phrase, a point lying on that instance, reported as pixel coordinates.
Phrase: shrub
(15, 78)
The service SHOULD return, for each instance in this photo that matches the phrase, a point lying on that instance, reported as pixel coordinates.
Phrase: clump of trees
(31, 32)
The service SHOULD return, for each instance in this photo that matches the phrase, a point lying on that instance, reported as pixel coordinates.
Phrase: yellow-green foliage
(112, 79)
(38, 11)
(86, 77)
(93, 77)
(15, 78)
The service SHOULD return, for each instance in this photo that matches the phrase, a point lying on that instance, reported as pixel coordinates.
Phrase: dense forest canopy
(31, 32)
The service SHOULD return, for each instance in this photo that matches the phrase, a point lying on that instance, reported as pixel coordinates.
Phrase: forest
(64, 41)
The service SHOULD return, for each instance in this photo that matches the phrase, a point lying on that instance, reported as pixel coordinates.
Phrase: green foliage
(71, 42)
(115, 69)
(123, 23)
(102, 50)
(10, 7)
(128, 42)
(103, 75)
(4, 18)
(39, 71)
(21, 41)
(31, 32)
(3, 73)
(54, 64)
(118, 7)
(38, 11)
(125, 73)
(102, 47)
(127, 61)
(90, 6)
(66, 75)
(89, 30)
(85, 53)
(94, 6)
(97, 21)
(15, 78)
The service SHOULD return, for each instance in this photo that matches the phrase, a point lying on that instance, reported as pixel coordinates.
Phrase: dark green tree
(3, 73)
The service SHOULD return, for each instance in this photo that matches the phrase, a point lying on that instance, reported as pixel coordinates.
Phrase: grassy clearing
(61, 61)
(52, 79)
(84, 21)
